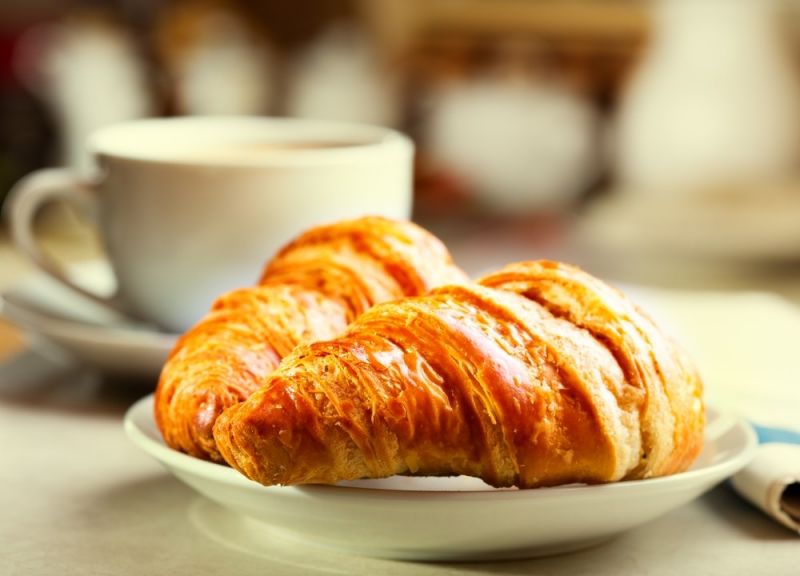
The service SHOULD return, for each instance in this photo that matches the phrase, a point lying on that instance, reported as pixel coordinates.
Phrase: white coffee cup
(189, 208)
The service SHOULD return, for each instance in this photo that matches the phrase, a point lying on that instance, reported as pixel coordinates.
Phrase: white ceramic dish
(85, 331)
(442, 518)
(758, 226)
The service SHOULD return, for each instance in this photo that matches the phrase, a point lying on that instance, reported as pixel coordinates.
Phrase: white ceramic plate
(443, 518)
(88, 332)
(757, 226)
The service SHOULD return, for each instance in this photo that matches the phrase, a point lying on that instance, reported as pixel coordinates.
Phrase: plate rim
(174, 459)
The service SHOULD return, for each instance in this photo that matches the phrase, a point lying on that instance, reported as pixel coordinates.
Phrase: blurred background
(652, 142)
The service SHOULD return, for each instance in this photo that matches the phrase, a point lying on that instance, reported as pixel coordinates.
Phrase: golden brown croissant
(537, 375)
(311, 290)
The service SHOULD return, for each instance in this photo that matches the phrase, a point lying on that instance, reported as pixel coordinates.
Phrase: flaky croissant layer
(311, 290)
(537, 375)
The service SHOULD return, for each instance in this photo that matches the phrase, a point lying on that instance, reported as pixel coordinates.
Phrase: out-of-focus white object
(88, 71)
(227, 70)
(737, 224)
(518, 145)
(714, 101)
(341, 77)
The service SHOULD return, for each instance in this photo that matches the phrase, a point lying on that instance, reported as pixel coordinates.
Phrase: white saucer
(87, 332)
(745, 227)
(439, 518)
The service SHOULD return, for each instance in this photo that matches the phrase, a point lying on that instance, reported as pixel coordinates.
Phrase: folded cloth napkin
(772, 479)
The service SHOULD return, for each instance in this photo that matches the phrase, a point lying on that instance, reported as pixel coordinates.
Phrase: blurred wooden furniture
(401, 22)
(591, 42)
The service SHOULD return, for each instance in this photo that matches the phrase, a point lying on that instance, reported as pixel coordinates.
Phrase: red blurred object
(8, 42)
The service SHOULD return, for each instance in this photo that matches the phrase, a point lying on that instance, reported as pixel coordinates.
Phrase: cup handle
(25, 200)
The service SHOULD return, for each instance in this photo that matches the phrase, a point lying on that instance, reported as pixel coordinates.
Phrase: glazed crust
(311, 290)
(537, 375)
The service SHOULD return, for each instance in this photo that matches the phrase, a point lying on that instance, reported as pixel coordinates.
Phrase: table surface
(76, 497)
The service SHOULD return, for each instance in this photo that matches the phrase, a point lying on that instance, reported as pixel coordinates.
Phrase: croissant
(312, 289)
(537, 375)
